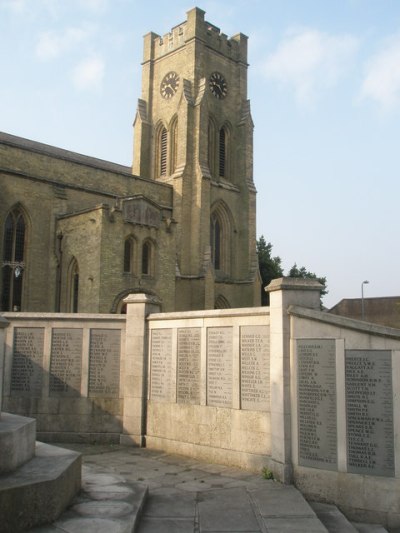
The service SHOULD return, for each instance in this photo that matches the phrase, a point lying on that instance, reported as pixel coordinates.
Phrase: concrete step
(39, 490)
(17, 441)
(332, 518)
(335, 521)
(106, 504)
(369, 528)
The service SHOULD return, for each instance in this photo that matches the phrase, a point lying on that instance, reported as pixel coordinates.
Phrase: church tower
(193, 130)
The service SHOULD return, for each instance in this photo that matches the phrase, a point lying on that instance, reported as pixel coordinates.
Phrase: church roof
(60, 153)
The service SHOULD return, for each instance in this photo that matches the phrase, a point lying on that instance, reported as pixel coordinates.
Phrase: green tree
(302, 272)
(270, 267)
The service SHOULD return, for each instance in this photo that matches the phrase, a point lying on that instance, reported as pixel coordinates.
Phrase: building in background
(384, 311)
(78, 234)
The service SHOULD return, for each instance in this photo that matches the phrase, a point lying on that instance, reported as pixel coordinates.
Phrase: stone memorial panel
(27, 364)
(104, 362)
(369, 412)
(254, 368)
(316, 396)
(188, 375)
(160, 365)
(219, 367)
(66, 362)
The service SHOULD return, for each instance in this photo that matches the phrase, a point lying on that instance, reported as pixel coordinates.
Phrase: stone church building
(77, 234)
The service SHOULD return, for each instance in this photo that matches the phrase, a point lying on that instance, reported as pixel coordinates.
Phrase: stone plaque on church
(140, 211)
(65, 362)
(254, 368)
(188, 370)
(219, 367)
(160, 364)
(104, 362)
(369, 412)
(316, 396)
(27, 364)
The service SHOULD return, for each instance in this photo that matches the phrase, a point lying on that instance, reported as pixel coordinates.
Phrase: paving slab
(295, 525)
(276, 500)
(166, 525)
(163, 500)
(182, 495)
(226, 510)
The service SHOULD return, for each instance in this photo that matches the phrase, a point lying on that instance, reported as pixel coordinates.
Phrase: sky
(324, 86)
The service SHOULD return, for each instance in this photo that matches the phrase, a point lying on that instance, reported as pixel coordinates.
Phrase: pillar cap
(294, 284)
(142, 298)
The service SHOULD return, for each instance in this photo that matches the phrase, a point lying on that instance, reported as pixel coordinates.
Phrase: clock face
(169, 85)
(218, 85)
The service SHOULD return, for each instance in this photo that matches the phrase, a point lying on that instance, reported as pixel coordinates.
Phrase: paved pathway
(184, 496)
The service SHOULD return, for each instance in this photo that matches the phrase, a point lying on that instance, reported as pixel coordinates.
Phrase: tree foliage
(271, 268)
(302, 272)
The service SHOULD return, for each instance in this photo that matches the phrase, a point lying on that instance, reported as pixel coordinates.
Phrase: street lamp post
(365, 282)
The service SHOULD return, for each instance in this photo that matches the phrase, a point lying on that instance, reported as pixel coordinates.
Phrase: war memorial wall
(345, 423)
(65, 371)
(209, 385)
(311, 396)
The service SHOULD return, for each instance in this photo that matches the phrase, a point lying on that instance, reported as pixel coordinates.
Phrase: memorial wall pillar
(283, 293)
(3, 325)
(139, 306)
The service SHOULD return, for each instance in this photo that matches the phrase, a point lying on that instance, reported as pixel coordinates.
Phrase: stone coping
(213, 313)
(71, 317)
(294, 284)
(344, 322)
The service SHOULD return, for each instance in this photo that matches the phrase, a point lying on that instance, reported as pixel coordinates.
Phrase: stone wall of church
(75, 199)
(20, 157)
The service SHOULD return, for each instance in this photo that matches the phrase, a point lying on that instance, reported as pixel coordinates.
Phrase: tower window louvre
(163, 152)
(222, 152)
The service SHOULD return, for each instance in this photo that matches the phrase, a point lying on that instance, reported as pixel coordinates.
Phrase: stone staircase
(335, 521)
(37, 481)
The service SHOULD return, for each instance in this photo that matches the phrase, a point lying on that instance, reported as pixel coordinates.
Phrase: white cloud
(51, 43)
(382, 78)
(308, 61)
(89, 74)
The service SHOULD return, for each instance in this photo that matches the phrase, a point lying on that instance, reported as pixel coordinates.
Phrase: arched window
(147, 258)
(221, 303)
(74, 286)
(219, 139)
(129, 255)
(13, 264)
(221, 232)
(215, 242)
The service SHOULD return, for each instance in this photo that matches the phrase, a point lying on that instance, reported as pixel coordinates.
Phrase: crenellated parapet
(195, 27)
